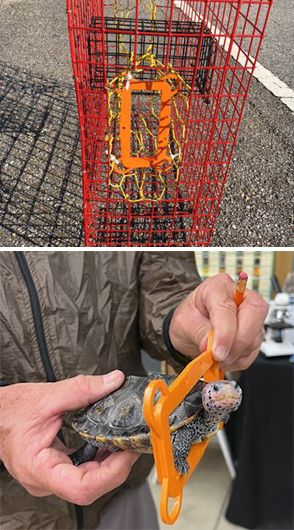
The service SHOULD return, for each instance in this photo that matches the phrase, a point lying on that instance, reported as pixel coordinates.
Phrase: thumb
(215, 299)
(80, 391)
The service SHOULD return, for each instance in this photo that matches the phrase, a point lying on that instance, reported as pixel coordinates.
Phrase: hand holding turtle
(238, 332)
(30, 420)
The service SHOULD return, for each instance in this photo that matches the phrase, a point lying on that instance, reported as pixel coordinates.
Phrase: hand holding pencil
(236, 315)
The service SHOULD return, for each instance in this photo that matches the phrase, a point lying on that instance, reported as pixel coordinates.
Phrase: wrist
(176, 356)
(3, 429)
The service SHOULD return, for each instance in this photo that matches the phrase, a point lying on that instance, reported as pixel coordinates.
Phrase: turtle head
(221, 396)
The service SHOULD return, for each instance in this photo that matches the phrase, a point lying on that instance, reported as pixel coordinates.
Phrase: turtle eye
(215, 387)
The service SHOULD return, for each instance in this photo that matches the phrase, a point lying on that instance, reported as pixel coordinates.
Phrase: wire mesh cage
(161, 86)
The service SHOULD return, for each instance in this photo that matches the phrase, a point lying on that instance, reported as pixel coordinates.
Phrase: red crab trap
(161, 86)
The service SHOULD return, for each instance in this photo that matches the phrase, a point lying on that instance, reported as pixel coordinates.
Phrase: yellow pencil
(240, 287)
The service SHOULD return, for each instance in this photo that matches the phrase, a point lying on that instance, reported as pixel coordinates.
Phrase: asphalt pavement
(41, 159)
(277, 52)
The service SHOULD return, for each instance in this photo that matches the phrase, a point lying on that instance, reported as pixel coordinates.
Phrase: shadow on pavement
(40, 160)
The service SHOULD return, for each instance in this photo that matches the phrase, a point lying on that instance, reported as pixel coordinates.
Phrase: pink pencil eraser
(243, 276)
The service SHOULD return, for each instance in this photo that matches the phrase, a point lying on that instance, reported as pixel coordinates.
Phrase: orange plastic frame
(161, 156)
(156, 416)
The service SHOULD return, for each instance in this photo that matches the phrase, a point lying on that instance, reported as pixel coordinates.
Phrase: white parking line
(277, 87)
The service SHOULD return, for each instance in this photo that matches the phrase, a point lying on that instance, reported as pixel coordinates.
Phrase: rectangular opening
(145, 109)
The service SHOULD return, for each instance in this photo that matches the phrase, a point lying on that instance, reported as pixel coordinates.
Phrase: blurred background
(245, 479)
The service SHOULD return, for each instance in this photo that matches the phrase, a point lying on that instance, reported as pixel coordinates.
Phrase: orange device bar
(157, 417)
(165, 89)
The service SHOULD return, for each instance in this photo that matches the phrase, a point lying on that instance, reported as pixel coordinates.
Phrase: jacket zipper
(38, 320)
(39, 327)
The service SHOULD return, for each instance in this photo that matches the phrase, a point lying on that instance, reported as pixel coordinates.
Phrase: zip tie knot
(114, 159)
(129, 77)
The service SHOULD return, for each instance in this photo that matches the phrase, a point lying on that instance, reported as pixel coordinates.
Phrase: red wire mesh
(213, 45)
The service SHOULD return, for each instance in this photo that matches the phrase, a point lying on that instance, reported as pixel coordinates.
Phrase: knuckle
(83, 384)
(225, 304)
(84, 499)
(125, 473)
(264, 307)
(177, 317)
(35, 492)
(247, 362)
(259, 304)
(224, 277)
(257, 342)
(83, 495)
(81, 380)
(220, 278)
(43, 406)
(118, 481)
(121, 478)
(242, 344)
(244, 363)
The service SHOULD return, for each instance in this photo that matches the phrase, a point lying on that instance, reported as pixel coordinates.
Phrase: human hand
(238, 331)
(31, 417)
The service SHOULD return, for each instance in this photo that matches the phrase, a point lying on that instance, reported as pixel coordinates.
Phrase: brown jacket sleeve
(165, 278)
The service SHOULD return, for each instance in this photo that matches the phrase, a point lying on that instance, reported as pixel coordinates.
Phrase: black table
(261, 437)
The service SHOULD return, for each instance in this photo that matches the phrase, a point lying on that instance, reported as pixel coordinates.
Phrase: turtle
(116, 422)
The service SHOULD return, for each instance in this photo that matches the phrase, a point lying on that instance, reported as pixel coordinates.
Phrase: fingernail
(220, 353)
(113, 376)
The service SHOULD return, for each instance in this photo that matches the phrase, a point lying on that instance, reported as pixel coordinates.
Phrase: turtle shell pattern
(117, 421)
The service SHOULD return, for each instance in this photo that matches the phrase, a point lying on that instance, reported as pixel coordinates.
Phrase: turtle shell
(117, 420)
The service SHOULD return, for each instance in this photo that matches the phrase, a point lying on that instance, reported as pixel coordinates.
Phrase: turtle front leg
(182, 441)
(84, 454)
